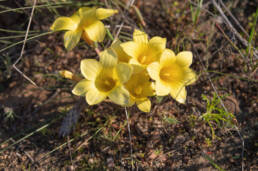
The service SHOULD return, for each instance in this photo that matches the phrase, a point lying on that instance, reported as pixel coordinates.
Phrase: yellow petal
(103, 13)
(124, 72)
(108, 58)
(86, 38)
(96, 31)
(178, 93)
(153, 70)
(93, 96)
(64, 23)
(148, 89)
(158, 43)
(87, 14)
(122, 56)
(76, 18)
(184, 58)
(82, 87)
(161, 89)
(190, 76)
(119, 96)
(90, 68)
(130, 48)
(167, 57)
(71, 39)
(144, 105)
(140, 36)
(137, 67)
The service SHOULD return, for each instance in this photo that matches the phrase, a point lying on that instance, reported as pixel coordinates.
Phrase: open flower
(104, 79)
(172, 74)
(86, 23)
(142, 50)
(140, 88)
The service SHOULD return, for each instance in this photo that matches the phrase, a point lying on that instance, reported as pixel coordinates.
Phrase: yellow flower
(172, 74)
(140, 88)
(104, 79)
(142, 50)
(86, 23)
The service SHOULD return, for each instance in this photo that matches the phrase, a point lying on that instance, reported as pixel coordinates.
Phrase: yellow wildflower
(142, 50)
(86, 23)
(140, 88)
(104, 79)
(172, 74)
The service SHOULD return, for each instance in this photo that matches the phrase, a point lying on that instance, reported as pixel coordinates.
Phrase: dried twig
(23, 47)
(235, 20)
(234, 31)
(130, 137)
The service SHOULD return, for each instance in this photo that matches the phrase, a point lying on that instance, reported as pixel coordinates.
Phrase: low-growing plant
(215, 114)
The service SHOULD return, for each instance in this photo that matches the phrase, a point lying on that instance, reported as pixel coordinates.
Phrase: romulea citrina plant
(127, 73)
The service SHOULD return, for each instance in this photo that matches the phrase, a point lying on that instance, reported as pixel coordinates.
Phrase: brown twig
(23, 47)
(235, 20)
(234, 31)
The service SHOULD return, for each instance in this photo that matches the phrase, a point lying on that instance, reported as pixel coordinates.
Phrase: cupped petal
(158, 43)
(190, 77)
(167, 57)
(82, 87)
(93, 96)
(130, 48)
(63, 23)
(124, 72)
(120, 96)
(108, 58)
(90, 68)
(103, 13)
(178, 93)
(140, 36)
(184, 58)
(153, 70)
(161, 89)
(96, 31)
(71, 39)
(144, 105)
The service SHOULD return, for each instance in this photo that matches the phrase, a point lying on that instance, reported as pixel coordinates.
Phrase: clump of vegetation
(216, 114)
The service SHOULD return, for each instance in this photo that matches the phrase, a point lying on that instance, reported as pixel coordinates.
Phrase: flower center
(143, 59)
(171, 74)
(105, 82)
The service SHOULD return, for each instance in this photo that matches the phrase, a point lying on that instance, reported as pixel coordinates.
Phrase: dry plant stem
(222, 104)
(97, 51)
(23, 47)
(228, 39)
(128, 5)
(130, 137)
(232, 16)
(70, 151)
(228, 23)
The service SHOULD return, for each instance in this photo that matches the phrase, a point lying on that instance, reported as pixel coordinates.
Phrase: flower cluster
(130, 72)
